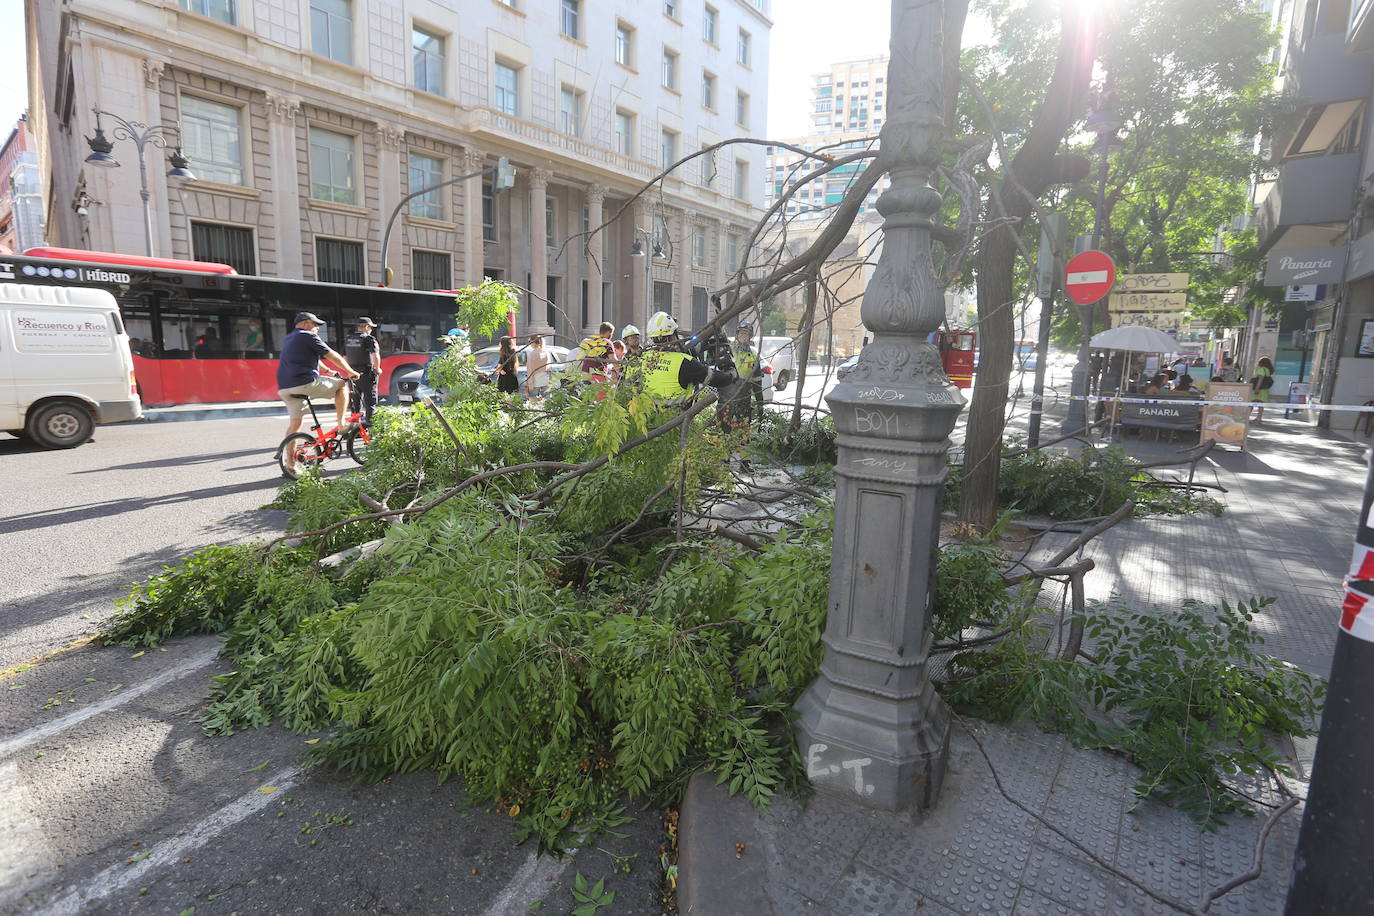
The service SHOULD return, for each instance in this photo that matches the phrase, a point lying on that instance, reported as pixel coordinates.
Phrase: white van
(64, 364)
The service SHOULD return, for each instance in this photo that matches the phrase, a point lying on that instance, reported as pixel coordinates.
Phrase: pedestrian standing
(1260, 384)
(536, 367)
(363, 352)
(507, 368)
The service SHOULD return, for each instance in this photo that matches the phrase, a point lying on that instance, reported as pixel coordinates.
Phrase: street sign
(1089, 276)
(1152, 283)
(1147, 302)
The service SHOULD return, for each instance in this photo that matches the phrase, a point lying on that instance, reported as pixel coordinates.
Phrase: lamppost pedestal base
(887, 753)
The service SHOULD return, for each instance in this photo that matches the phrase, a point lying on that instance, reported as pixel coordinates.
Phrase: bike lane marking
(170, 851)
(39, 733)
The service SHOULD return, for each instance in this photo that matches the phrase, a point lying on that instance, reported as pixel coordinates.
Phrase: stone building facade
(308, 121)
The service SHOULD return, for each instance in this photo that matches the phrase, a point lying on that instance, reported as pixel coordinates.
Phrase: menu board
(1222, 422)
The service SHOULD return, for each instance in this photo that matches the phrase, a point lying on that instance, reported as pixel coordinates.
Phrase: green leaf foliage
(1184, 693)
(1095, 482)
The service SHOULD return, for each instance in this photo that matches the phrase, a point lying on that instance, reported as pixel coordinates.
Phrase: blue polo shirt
(301, 353)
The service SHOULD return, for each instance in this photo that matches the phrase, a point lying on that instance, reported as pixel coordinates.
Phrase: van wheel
(784, 377)
(60, 424)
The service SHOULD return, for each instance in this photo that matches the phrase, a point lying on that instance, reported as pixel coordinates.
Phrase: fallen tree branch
(1123, 512)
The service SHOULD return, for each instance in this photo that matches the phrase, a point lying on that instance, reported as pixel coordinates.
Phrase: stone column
(641, 270)
(871, 727)
(474, 254)
(683, 312)
(390, 139)
(539, 252)
(596, 251)
(282, 111)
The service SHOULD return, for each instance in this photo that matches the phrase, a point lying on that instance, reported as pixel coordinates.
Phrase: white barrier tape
(1273, 405)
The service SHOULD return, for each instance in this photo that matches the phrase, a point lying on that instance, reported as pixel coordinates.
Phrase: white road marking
(23, 847)
(529, 883)
(170, 851)
(43, 732)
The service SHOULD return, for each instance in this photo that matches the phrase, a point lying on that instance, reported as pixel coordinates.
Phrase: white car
(781, 354)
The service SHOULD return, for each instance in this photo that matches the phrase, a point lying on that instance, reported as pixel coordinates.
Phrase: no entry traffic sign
(1089, 276)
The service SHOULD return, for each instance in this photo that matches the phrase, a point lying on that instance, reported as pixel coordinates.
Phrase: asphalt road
(111, 798)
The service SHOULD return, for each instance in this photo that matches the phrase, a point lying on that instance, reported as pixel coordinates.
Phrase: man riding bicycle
(298, 375)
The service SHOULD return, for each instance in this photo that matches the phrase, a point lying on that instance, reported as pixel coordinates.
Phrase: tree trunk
(803, 351)
(1035, 167)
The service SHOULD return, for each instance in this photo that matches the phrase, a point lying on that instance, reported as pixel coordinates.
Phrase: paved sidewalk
(1287, 531)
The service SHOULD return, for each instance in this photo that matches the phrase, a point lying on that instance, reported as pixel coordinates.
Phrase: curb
(712, 880)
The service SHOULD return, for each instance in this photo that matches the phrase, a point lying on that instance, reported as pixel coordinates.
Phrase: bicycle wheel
(297, 452)
(358, 442)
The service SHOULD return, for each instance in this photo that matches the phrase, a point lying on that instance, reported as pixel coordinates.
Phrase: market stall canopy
(1135, 337)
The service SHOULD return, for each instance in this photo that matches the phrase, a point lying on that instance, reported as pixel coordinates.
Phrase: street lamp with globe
(142, 135)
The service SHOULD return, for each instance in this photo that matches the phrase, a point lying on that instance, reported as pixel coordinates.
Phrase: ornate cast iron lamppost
(871, 727)
(142, 135)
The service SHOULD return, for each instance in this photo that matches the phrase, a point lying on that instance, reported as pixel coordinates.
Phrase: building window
(429, 60)
(698, 247)
(624, 44)
(732, 252)
(743, 48)
(426, 171)
(331, 166)
(663, 296)
(507, 89)
(488, 212)
(223, 10)
(430, 269)
(338, 261)
(742, 109)
(569, 19)
(670, 8)
(211, 133)
(706, 171)
(586, 306)
(700, 299)
(224, 245)
(624, 133)
(551, 298)
(570, 112)
(708, 90)
(661, 233)
(741, 179)
(669, 69)
(709, 24)
(331, 29)
(667, 148)
(550, 222)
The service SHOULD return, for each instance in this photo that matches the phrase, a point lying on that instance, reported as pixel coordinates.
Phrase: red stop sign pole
(1089, 276)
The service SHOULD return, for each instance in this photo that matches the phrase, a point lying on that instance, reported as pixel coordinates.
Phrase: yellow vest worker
(668, 372)
(662, 371)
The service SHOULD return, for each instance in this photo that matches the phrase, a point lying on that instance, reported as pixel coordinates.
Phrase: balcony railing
(553, 140)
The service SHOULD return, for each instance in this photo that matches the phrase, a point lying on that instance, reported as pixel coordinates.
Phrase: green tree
(1191, 82)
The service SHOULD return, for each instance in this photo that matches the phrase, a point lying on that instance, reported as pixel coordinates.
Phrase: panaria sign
(1305, 266)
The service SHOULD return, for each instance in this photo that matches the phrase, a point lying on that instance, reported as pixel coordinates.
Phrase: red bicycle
(299, 451)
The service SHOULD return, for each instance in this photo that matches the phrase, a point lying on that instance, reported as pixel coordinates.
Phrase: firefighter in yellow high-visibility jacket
(668, 371)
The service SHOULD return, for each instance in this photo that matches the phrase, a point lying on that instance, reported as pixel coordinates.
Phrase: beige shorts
(322, 387)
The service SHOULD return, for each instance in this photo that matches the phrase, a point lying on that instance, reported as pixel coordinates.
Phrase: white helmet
(629, 331)
(662, 325)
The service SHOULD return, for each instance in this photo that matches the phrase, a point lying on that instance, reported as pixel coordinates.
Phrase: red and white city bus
(202, 333)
